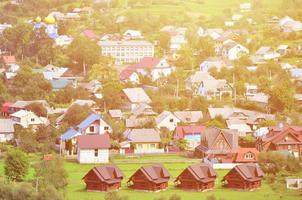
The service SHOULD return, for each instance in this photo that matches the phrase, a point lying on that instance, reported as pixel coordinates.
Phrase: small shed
(103, 178)
(198, 177)
(150, 178)
(244, 177)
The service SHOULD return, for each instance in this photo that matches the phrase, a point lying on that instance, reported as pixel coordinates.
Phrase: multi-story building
(131, 51)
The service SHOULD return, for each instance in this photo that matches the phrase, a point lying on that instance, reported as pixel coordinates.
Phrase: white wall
(87, 156)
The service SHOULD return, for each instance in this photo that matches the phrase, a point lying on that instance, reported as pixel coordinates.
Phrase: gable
(220, 143)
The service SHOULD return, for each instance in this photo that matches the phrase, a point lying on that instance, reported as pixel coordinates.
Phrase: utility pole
(234, 89)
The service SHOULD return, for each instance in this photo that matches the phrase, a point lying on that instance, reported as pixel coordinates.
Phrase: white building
(167, 120)
(93, 148)
(131, 51)
(27, 118)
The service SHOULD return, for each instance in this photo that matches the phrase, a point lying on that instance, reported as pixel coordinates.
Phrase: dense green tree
(16, 165)
(76, 114)
(38, 109)
(164, 41)
(84, 52)
(281, 98)
(112, 95)
(102, 72)
(52, 172)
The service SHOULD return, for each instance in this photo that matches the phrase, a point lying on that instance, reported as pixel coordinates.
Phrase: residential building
(143, 141)
(197, 177)
(150, 178)
(103, 178)
(189, 117)
(244, 177)
(93, 148)
(132, 97)
(27, 118)
(246, 155)
(233, 50)
(282, 139)
(217, 144)
(167, 120)
(131, 51)
(154, 68)
(191, 133)
(7, 130)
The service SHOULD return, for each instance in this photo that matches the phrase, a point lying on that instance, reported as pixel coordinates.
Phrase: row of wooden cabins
(197, 177)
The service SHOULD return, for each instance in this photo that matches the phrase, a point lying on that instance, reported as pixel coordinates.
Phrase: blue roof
(60, 84)
(296, 72)
(88, 121)
(69, 134)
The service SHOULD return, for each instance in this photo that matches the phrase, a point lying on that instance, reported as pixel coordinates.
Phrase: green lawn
(76, 187)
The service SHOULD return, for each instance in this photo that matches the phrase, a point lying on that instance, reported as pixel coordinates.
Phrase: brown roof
(107, 173)
(240, 152)
(210, 136)
(202, 172)
(276, 134)
(8, 60)
(249, 172)
(156, 173)
(94, 141)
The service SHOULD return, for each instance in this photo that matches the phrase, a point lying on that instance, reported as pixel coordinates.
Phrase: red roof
(181, 131)
(5, 107)
(8, 60)
(145, 63)
(94, 141)
(90, 34)
(240, 152)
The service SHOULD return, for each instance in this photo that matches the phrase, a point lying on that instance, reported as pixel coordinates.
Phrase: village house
(150, 178)
(26, 119)
(251, 118)
(197, 177)
(240, 126)
(132, 34)
(246, 155)
(233, 51)
(132, 97)
(217, 144)
(294, 183)
(7, 130)
(192, 134)
(203, 84)
(287, 138)
(116, 114)
(244, 7)
(167, 120)
(93, 148)
(92, 125)
(288, 25)
(142, 141)
(214, 62)
(244, 177)
(7, 61)
(189, 117)
(154, 68)
(284, 49)
(21, 105)
(127, 51)
(103, 178)
(267, 53)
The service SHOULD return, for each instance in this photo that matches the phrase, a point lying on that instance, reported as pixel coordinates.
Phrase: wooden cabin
(244, 177)
(103, 178)
(150, 178)
(198, 177)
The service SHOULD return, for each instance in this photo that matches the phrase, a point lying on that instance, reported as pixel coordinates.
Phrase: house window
(289, 147)
(32, 119)
(152, 146)
(171, 120)
(139, 146)
(248, 156)
(91, 129)
(286, 138)
(96, 153)
(106, 128)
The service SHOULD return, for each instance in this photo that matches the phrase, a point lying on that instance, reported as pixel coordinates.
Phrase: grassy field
(198, 7)
(76, 187)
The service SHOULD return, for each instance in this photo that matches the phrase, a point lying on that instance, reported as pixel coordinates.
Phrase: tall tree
(84, 52)
(16, 165)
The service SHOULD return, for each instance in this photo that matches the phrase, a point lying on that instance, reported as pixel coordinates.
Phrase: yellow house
(143, 141)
